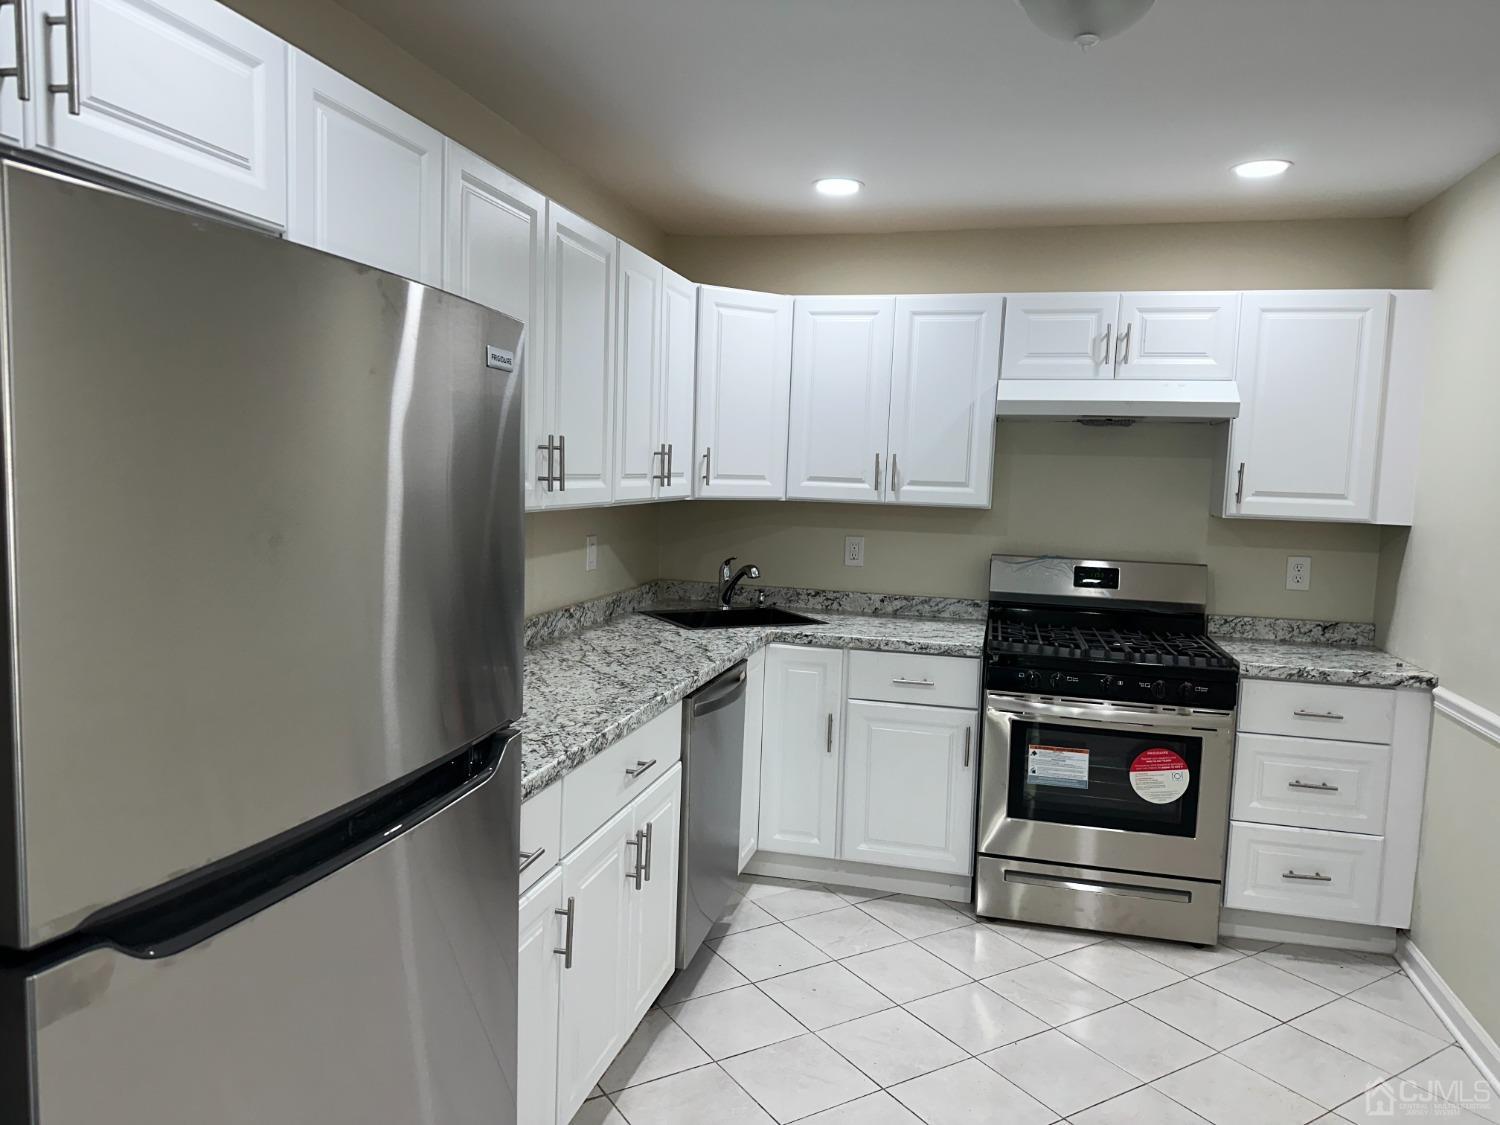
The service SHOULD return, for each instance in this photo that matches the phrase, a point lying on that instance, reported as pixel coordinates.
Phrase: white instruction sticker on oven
(1159, 775)
(1067, 766)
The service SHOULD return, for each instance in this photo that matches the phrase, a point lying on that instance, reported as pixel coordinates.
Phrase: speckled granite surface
(1312, 663)
(1291, 630)
(587, 691)
(833, 601)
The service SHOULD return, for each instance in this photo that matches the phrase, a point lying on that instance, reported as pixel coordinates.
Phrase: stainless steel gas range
(1108, 748)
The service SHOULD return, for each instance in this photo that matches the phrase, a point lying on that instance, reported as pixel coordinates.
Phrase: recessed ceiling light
(837, 185)
(1261, 169)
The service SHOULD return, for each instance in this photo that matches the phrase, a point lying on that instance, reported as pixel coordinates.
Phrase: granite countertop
(587, 691)
(1310, 662)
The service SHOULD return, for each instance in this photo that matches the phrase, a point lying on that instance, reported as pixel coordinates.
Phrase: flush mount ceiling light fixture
(1261, 169)
(1085, 22)
(837, 185)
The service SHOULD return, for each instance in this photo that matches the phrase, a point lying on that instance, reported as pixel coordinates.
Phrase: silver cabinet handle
(648, 835)
(21, 72)
(549, 479)
(639, 768)
(1318, 786)
(1109, 335)
(877, 472)
(1315, 877)
(571, 914)
(828, 739)
(634, 874)
(528, 858)
(562, 462)
(708, 454)
(669, 462)
(902, 681)
(659, 460)
(1334, 715)
(968, 742)
(1239, 488)
(1122, 348)
(69, 20)
(895, 471)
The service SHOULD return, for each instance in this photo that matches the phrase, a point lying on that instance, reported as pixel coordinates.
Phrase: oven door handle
(1107, 716)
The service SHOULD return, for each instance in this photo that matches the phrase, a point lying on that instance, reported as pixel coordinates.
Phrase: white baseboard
(927, 884)
(1307, 931)
(1477, 1043)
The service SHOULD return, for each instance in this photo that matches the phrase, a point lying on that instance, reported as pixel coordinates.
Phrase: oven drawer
(1304, 872)
(904, 677)
(1311, 783)
(541, 834)
(1350, 714)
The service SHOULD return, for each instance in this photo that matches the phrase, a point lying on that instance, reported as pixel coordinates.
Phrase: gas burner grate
(1126, 646)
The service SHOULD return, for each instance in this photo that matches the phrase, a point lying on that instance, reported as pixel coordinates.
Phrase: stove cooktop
(1097, 642)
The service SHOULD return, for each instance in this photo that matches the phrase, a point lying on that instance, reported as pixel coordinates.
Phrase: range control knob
(1186, 691)
(1159, 689)
(1055, 680)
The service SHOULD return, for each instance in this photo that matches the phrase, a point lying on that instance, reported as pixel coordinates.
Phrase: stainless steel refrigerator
(258, 779)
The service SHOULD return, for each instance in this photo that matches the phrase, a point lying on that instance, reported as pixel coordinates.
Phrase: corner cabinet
(744, 376)
(802, 739)
(892, 399)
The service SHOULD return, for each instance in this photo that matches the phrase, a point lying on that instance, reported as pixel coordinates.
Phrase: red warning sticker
(1159, 775)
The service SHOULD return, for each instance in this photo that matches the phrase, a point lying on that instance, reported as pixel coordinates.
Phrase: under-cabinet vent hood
(1205, 400)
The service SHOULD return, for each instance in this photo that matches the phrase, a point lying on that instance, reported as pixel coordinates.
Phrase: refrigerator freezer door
(265, 542)
(383, 993)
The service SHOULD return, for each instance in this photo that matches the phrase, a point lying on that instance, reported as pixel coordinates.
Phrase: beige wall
(1059, 487)
(1314, 255)
(1439, 605)
(351, 46)
(555, 554)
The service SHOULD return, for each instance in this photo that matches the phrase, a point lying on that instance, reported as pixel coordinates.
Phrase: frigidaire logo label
(501, 359)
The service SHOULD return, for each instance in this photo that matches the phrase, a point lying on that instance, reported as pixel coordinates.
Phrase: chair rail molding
(1461, 709)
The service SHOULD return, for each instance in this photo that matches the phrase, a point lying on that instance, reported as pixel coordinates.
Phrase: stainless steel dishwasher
(713, 751)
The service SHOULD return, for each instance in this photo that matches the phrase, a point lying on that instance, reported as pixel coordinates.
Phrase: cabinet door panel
(755, 694)
(942, 423)
(840, 398)
(658, 814)
(594, 1017)
(539, 979)
(366, 178)
(580, 357)
(909, 786)
(679, 336)
(1177, 335)
(744, 374)
(185, 95)
(494, 252)
(12, 108)
(800, 750)
(1311, 373)
(638, 367)
(1060, 335)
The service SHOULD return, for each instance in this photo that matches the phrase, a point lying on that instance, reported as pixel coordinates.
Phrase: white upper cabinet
(744, 375)
(15, 56)
(679, 338)
(366, 177)
(495, 252)
(1177, 336)
(801, 748)
(1060, 335)
(1311, 373)
(840, 398)
(942, 416)
(640, 459)
(183, 95)
(578, 414)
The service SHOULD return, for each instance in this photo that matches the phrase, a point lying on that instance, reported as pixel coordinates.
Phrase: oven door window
(1093, 778)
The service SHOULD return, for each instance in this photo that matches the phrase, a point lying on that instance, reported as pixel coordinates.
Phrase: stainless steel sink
(736, 618)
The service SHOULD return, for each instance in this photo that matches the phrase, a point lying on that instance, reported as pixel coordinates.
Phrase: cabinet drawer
(903, 677)
(1311, 783)
(541, 834)
(1303, 872)
(600, 787)
(1350, 714)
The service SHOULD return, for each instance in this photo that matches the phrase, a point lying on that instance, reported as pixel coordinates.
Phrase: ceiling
(714, 116)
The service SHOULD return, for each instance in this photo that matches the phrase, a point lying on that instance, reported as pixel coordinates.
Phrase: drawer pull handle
(639, 768)
(1315, 877)
(571, 915)
(1316, 786)
(903, 681)
(1334, 715)
(528, 858)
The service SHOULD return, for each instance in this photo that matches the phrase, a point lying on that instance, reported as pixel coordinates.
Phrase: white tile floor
(830, 1006)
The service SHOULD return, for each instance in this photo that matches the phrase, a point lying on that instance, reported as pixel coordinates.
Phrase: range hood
(1204, 400)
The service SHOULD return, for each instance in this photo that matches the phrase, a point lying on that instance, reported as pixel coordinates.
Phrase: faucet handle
(725, 565)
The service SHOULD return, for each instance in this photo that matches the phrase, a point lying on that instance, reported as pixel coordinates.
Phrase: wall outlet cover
(1298, 572)
(591, 552)
(854, 550)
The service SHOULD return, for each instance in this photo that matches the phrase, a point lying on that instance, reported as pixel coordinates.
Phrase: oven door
(1119, 786)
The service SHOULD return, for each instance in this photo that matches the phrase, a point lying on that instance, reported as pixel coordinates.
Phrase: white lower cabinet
(802, 742)
(653, 930)
(755, 693)
(909, 786)
(539, 976)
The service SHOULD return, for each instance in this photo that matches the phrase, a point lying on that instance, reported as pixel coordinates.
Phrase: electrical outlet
(1298, 572)
(854, 550)
(590, 552)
